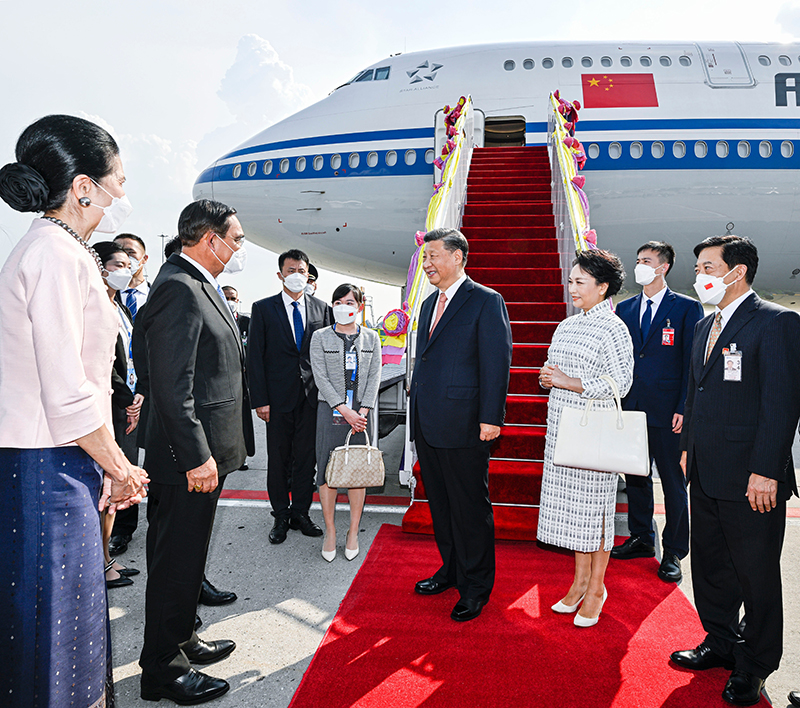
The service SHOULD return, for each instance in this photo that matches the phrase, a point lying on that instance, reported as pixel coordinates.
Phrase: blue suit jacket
(461, 372)
(661, 372)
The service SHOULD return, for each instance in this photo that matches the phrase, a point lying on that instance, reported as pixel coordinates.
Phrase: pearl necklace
(83, 243)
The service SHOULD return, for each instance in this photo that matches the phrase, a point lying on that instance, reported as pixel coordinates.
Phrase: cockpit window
(382, 73)
(365, 76)
(379, 74)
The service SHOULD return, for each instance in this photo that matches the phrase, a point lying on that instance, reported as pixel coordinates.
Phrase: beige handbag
(606, 440)
(354, 466)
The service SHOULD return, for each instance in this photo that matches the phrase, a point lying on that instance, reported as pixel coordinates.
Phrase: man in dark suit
(283, 392)
(242, 321)
(737, 438)
(661, 324)
(458, 396)
(199, 429)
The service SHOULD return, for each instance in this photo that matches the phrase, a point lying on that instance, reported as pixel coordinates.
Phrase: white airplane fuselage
(349, 178)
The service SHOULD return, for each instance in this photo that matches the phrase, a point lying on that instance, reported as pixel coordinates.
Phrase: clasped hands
(133, 411)
(357, 421)
(119, 494)
(550, 376)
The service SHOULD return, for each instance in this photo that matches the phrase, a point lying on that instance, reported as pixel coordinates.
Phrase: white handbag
(606, 440)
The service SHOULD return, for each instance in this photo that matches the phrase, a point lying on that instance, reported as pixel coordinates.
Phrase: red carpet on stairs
(388, 647)
(508, 221)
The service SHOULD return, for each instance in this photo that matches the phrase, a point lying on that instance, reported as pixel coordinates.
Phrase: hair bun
(23, 188)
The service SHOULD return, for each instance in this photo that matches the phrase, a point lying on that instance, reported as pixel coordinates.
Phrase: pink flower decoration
(579, 181)
(419, 237)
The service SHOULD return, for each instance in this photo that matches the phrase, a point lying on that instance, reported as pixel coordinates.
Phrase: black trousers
(457, 484)
(736, 560)
(126, 521)
(291, 437)
(179, 529)
(664, 450)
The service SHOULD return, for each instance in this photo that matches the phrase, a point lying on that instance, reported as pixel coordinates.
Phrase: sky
(180, 83)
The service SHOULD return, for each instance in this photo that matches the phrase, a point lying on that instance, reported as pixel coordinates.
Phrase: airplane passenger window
(594, 151)
(722, 148)
(784, 60)
(636, 150)
(587, 62)
(353, 160)
(606, 61)
(372, 159)
(743, 148)
(700, 149)
(787, 148)
(251, 169)
(391, 158)
(509, 65)
(765, 148)
(657, 149)
(429, 156)
(645, 60)
(665, 61)
(237, 171)
(527, 64)
(267, 167)
(284, 166)
(336, 161)
(300, 164)
(679, 149)
(764, 60)
(366, 76)
(319, 162)
(382, 73)
(547, 63)
(685, 61)
(566, 62)
(615, 151)
(411, 157)
(625, 61)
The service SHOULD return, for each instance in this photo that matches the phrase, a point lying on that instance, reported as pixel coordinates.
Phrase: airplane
(685, 140)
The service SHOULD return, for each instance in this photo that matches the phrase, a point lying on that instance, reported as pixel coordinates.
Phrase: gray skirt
(330, 436)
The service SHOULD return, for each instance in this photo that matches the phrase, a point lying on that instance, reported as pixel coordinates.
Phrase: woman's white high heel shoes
(328, 555)
(581, 621)
(563, 609)
(348, 553)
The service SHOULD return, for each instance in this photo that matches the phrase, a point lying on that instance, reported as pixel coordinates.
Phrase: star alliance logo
(424, 72)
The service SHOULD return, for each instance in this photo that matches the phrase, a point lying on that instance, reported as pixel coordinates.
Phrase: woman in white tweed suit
(346, 361)
(577, 506)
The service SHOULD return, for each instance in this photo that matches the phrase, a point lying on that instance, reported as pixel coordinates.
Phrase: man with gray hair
(461, 374)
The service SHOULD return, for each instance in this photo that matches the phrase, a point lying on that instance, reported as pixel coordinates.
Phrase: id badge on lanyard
(668, 336)
(732, 369)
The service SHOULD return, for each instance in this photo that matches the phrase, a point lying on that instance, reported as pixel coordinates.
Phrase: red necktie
(439, 310)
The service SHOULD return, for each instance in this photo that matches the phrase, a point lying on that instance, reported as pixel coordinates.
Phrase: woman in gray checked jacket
(346, 361)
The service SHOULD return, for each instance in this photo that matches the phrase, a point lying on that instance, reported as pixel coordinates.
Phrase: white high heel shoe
(348, 553)
(563, 609)
(329, 555)
(581, 621)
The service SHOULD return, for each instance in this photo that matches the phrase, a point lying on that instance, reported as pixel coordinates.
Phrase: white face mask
(644, 274)
(309, 289)
(114, 214)
(711, 289)
(296, 282)
(345, 314)
(237, 261)
(118, 279)
(234, 306)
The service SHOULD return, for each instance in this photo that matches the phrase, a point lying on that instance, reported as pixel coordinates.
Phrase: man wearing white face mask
(737, 437)
(283, 392)
(661, 324)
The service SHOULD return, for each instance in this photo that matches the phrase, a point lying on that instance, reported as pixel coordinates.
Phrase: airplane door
(440, 135)
(725, 65)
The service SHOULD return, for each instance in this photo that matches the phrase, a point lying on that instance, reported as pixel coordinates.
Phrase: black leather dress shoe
(743, 689)
(190, 689)
(634, 547)
(466, 610)
(700, 659)
(429, 586)
(305, 525)
(794, 698)
(197, 622)
(209, 595)
(209, 652)
(118, 544)
(245, 467)
(670, 569)
(279, 530)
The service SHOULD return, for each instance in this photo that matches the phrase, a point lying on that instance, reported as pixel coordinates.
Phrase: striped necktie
(716, 328)
(130, 302)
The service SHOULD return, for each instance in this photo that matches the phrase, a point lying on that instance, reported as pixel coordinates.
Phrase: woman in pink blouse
(59, 463)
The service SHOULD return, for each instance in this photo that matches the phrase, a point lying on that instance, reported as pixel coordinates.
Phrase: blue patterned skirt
(54, 631)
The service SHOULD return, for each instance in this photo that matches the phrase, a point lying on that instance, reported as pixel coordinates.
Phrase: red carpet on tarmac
(391, 648)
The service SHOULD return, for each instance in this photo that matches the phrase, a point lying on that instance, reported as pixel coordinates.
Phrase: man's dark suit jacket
(199, 400)
(461, 373)
(279, 374)
(732, 429)
(661, 373)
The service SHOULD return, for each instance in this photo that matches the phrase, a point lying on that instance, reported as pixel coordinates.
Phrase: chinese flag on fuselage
(619, 91)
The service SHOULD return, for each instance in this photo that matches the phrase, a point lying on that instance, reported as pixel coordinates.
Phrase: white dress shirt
(655, 299)
(140, 292)
(727, 313)
(301, 305)
(449, 293)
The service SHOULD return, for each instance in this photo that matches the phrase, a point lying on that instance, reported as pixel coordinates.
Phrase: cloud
(788, 18)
